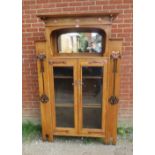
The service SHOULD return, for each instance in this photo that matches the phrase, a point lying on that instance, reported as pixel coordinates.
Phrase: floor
(77, 147)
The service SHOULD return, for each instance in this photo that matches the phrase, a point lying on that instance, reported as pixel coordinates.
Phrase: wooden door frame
(62, 63)
(99, 62)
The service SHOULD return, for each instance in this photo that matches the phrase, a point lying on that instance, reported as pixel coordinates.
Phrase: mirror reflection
(80, 42)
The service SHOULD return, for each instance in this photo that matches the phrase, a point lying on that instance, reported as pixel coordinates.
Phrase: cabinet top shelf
(101, 14)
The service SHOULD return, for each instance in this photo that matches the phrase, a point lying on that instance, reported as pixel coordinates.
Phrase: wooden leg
(110, 140)
(50, 138)
(43, 137)
(43, 134)
(114, 139)
(106, 141)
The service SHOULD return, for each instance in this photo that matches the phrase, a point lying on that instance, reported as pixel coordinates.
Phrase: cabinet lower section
(78, 98)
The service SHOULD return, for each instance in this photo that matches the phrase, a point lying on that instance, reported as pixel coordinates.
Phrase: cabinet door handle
(78, 82)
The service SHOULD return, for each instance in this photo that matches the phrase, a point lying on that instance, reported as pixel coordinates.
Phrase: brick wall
(33, 29)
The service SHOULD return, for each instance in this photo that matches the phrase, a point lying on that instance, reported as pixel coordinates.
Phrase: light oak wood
(55, 23)
(100, 62)
(111, 125)
(45, 108)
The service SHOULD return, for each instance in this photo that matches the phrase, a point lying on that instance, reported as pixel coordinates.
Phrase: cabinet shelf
(69, 105)
(63, 77)
(64, 105)
(91, 105)
(71, 77)
(92, 77)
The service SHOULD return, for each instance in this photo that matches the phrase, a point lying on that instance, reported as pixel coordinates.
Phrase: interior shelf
(69, 105)
(63, 77)
(91, 105)
(92, 77)
(65, 105)
(71, 77)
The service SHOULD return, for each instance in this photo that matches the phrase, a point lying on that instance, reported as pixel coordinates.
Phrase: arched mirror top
(79, 41)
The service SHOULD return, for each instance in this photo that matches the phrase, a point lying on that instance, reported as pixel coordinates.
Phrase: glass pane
(63, 91)
(92, 118)
(92, 94)
(64, 96)
(92, 91)
(64, 117)
(63, 71)
(80, 42)
(92, 71)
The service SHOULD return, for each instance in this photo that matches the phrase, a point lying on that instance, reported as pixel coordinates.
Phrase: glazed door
(64, 96)
(93, 97)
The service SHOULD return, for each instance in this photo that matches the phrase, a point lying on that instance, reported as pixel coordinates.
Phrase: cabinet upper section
(78, 34)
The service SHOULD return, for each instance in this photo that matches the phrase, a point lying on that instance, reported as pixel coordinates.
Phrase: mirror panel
(80, 42)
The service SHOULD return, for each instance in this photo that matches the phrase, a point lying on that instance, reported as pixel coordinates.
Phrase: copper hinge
(115, 55)
(41, 57)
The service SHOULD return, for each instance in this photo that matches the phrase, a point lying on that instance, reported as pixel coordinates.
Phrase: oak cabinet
(78, 75)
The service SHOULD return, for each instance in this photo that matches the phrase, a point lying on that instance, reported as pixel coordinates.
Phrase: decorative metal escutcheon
(113, 100)
(41, 56)
(44, 98)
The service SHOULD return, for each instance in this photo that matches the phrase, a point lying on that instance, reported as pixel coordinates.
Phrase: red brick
(102, 2)
(116, 1)
(104, 7)
(127, 1)
(61, 4)
(88, 3)
(84, 8)
(68, 0)
(48, 5)
(117, 30)
(69, 9)
(98, 8)
(75, 4)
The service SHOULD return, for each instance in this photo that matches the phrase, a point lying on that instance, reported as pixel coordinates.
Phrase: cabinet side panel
(112, 114)
(45, 108)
